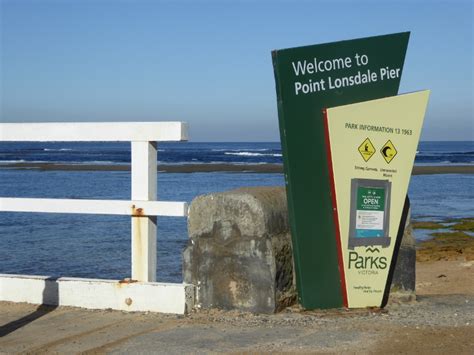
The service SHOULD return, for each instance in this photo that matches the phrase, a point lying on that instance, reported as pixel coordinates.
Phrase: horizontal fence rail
(109, 207)
(94, 132)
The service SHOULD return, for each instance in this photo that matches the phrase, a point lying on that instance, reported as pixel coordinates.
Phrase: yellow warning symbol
(366, 149)
(388, 151)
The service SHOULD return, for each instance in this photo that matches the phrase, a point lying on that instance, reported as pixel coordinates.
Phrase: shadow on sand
(50, 302)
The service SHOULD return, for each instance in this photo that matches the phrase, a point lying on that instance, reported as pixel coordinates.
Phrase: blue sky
(209, 63)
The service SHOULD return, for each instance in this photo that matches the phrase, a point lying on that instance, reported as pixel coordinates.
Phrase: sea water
(98, 246)
(429, 153)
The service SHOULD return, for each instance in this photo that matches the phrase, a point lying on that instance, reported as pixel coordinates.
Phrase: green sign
(370, 198)
(308, 80)
(370, 212)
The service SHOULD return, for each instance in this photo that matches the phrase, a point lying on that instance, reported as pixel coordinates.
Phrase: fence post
(144, 188)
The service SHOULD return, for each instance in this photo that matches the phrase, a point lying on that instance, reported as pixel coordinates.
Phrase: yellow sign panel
(369, 194)
(388, 151)
(366, 149)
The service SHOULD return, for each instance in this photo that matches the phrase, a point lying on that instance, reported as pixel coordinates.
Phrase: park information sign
(308, 80)
(369, 194)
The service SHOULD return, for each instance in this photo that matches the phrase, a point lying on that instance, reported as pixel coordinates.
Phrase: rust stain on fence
(127, 281)
(137, 212)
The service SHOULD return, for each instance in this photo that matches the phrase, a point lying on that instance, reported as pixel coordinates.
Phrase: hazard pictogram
(388, 151)
(366, 149)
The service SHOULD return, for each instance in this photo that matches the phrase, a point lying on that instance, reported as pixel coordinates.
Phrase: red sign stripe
(334, 209)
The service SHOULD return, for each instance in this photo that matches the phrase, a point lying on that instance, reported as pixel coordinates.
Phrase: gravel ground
(431, 324)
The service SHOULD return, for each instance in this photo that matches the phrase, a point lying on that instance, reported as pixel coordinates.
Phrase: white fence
(142, 207)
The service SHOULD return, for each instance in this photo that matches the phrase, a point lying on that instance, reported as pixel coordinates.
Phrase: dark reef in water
(209, 168)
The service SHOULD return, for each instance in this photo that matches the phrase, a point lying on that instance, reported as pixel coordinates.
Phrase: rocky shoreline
(208, 168)
(451, 239)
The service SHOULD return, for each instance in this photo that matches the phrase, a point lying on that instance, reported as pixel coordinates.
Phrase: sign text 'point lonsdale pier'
(333, 81)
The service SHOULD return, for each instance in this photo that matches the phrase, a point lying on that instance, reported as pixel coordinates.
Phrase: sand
(445, 277)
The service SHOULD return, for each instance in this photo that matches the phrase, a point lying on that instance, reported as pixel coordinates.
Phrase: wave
(92, 162)
(251, 154)
(21, 161)
(12, 161)
(242, 150)
(444, 163)
(63, 162)
(57, 150)
(445, 153)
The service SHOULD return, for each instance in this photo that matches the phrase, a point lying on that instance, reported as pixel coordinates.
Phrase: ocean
(98, 246)
(429, 153)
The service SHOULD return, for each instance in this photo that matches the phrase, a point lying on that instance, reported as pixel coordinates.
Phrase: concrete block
(239, 253)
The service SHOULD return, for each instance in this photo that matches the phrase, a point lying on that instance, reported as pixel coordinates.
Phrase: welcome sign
(309, 80)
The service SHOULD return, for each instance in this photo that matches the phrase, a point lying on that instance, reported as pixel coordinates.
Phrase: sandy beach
(208, 168)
